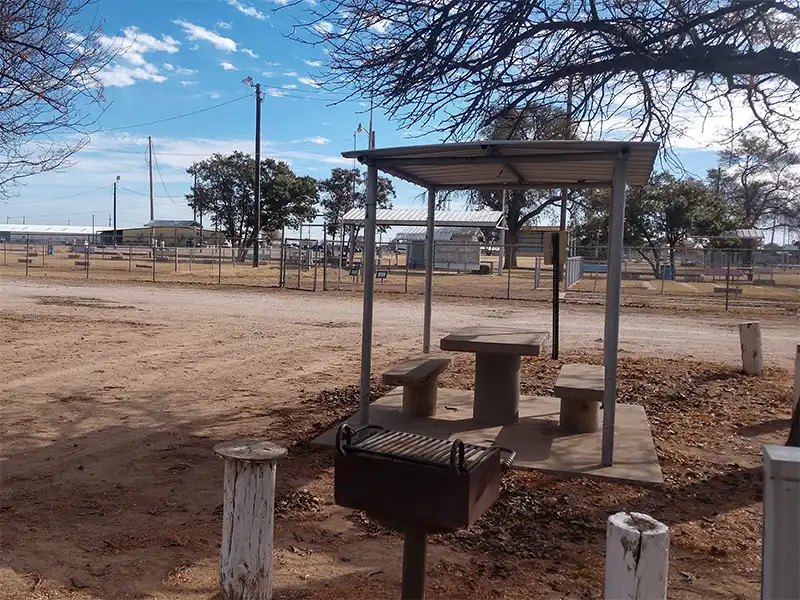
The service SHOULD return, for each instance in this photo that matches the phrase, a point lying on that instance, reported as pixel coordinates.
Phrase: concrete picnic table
(497, 367)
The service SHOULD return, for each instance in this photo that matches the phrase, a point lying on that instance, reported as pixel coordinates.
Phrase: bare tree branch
(634, 66)
(50, 92)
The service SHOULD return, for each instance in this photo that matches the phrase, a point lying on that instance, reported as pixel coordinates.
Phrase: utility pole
(258, 176)
(567, 136)
(115, 211)
(150, 167)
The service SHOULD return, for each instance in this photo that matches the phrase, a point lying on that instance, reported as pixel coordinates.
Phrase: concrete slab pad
(539, 443)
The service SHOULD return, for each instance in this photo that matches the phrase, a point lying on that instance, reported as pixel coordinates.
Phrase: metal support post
(414, 550)
(429, 242)
(556, 288)
(613, 293)
(368, 266)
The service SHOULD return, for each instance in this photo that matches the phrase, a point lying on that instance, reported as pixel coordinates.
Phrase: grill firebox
(416, 485)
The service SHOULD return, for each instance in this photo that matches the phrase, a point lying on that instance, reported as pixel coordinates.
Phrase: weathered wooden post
(245, 567)
(796, 394)
(752, 356)
(781, 549)
(637, 558)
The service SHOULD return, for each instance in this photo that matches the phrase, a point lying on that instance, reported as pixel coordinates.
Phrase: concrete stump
(496, 389)
(637, 558)
(248, 518)
(579, 416)
(752, 356)
(420, 400)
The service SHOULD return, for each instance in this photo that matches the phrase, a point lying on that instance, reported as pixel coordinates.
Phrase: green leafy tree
(226, 191)
(758, 179)
(660, 216)
(344, 190)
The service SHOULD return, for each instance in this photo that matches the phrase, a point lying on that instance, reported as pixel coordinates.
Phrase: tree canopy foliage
(51, 56)
(636, 64)
(226, 191)
(661, 215)
(346, 189)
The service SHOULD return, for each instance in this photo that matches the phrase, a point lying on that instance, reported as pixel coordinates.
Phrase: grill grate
(412, 447)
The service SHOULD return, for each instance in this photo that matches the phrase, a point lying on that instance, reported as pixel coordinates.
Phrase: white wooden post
(781, 549)
(637, 558)
(245, 567)
(796, 395)
(752, 356)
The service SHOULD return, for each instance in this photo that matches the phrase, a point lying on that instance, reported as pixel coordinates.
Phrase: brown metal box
(412, 497)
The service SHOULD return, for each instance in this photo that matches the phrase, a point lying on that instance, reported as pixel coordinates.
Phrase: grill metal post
(415, 546)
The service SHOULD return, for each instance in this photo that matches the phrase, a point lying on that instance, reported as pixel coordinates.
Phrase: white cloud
(188, 83)
(272, 64)
(289, 86)
(281, 2)
(380, 26)
(250, 11)
(269, 74)
(323, 27)
(130, 64)
(227, 66)
(196, 32)
(249, 52)
(224, 25)
(312, 63)
(117, 75)
(307, 81)
(274, 93)
(317, 139)
(291, 74)
(178, 70)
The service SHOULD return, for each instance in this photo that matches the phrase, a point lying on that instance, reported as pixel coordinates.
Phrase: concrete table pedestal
(497, 379)
(497, 368)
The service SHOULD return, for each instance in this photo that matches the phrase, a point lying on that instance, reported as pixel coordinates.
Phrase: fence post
(130, 257)
(176, 258)
(324, 257)
(637, 558)
(538, 273)
(796, 394)
(153, 254)
(219, 262)
(27, 253)
(752, 355)
(248, 518)
(5, 259)
(781, 548)
(406, 283)
(44, 252)
(282, 265)
(87, 260)
(508, 266)
(191, 256)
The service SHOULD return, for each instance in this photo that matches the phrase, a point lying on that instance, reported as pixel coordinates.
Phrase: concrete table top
(496, 340)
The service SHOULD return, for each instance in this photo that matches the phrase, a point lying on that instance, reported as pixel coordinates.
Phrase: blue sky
(181, 56)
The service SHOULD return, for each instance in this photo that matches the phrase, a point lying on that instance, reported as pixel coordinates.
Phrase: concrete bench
(580, 388)
(418, 376)
(721, 289)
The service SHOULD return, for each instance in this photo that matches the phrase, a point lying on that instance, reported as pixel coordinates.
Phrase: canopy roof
(497, 164)
(413, 216)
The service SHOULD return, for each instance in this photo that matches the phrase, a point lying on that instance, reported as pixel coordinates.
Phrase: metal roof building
(54, 230)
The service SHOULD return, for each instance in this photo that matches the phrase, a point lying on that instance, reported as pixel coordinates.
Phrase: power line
(97, 189)
(164, 185)
(141, 193)
(173, 118)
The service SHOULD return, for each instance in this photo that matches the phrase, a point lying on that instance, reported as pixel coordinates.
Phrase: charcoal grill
(417, 485)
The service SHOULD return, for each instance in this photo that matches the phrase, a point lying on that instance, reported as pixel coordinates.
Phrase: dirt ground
(113, 396)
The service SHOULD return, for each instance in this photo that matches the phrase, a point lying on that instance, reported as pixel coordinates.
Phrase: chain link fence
(314, 261)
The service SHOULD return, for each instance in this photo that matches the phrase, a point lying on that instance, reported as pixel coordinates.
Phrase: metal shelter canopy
(412, 216)
(497, 165)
